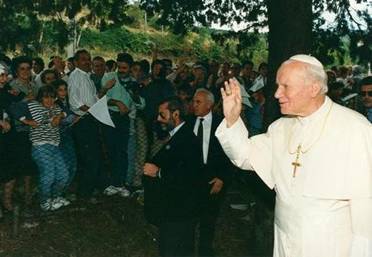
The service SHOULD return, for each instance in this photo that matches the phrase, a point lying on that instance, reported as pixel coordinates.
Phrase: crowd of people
(48, 134)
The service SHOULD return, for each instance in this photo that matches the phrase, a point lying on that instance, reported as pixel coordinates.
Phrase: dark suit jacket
(173, 196)
(218, 164)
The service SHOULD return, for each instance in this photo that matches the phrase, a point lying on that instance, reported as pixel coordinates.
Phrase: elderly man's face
(201, 105)
(366, 94)
(293, 94)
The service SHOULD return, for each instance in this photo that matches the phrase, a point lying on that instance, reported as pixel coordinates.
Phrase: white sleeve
(247, 153)
(74, 93)
(361, 218)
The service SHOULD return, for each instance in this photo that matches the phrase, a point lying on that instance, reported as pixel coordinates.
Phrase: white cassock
(326, 209)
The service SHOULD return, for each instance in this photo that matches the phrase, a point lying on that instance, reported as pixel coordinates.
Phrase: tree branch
(346, 6)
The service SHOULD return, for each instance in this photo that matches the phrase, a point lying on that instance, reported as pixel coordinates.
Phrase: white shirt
(81, 91)
(174, 131)
(38, 81)
(207, 125)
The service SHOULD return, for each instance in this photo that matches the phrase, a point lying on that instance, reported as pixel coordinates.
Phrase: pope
(317, 158)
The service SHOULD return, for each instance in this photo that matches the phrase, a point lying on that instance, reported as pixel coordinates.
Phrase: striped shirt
(45, 133)
(81, 91)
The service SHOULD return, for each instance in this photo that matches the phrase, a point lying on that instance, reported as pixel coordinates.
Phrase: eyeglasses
(366, 93)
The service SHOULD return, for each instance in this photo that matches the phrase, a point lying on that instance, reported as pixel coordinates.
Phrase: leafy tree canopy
(182, 16)
(24, 22)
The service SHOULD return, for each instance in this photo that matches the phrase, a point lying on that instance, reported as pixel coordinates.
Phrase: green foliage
(181, 15)
(199, 45)
(55, 35)
(136, 15)
(18, 25)
(34, 26)
(24, 22)
(117, 39)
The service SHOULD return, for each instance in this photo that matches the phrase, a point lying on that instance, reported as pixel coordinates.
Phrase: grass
(116, 227)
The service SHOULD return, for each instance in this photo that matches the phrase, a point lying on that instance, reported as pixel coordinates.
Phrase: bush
(194, 45)
(117, 39)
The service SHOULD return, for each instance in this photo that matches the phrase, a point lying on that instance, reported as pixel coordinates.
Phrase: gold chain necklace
(299, 150)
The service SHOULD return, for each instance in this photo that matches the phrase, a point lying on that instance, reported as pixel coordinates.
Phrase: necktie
(200, 130)
(200, 134)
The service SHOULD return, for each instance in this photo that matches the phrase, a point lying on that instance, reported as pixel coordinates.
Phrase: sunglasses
(366, 93)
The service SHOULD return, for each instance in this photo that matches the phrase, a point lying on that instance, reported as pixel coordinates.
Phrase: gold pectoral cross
(296, 164)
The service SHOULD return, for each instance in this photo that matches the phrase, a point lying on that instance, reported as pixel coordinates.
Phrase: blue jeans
(53, 173)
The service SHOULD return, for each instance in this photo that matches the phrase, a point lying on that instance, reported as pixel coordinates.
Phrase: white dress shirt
(81, 91)
(174, 131)
(207, 125)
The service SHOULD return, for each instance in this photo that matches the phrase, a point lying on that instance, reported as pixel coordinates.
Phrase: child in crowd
(66, 145)
(45, 138)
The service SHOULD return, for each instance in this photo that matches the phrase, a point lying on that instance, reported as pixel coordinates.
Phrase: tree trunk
(290, 33)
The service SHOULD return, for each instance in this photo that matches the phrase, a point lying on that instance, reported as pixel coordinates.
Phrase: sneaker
(123, 192)
(50, 205)
(62, 200)
(110, 190)
(56, 205)
(45, 206)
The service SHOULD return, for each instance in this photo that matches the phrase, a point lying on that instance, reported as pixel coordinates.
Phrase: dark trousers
(19, 154)
(6, 162)
(209, 211)
(177, 239)
(116, 140)
(89, 154)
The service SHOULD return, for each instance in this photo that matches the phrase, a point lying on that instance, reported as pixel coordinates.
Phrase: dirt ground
(115, 226)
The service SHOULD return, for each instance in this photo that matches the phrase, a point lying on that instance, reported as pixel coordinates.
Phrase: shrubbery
(193, 45)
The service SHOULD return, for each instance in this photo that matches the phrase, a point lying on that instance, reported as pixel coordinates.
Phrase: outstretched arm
(246, 153)
(232, 101)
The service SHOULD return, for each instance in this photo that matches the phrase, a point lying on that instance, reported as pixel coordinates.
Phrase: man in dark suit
(216, 168)
(176, 168)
